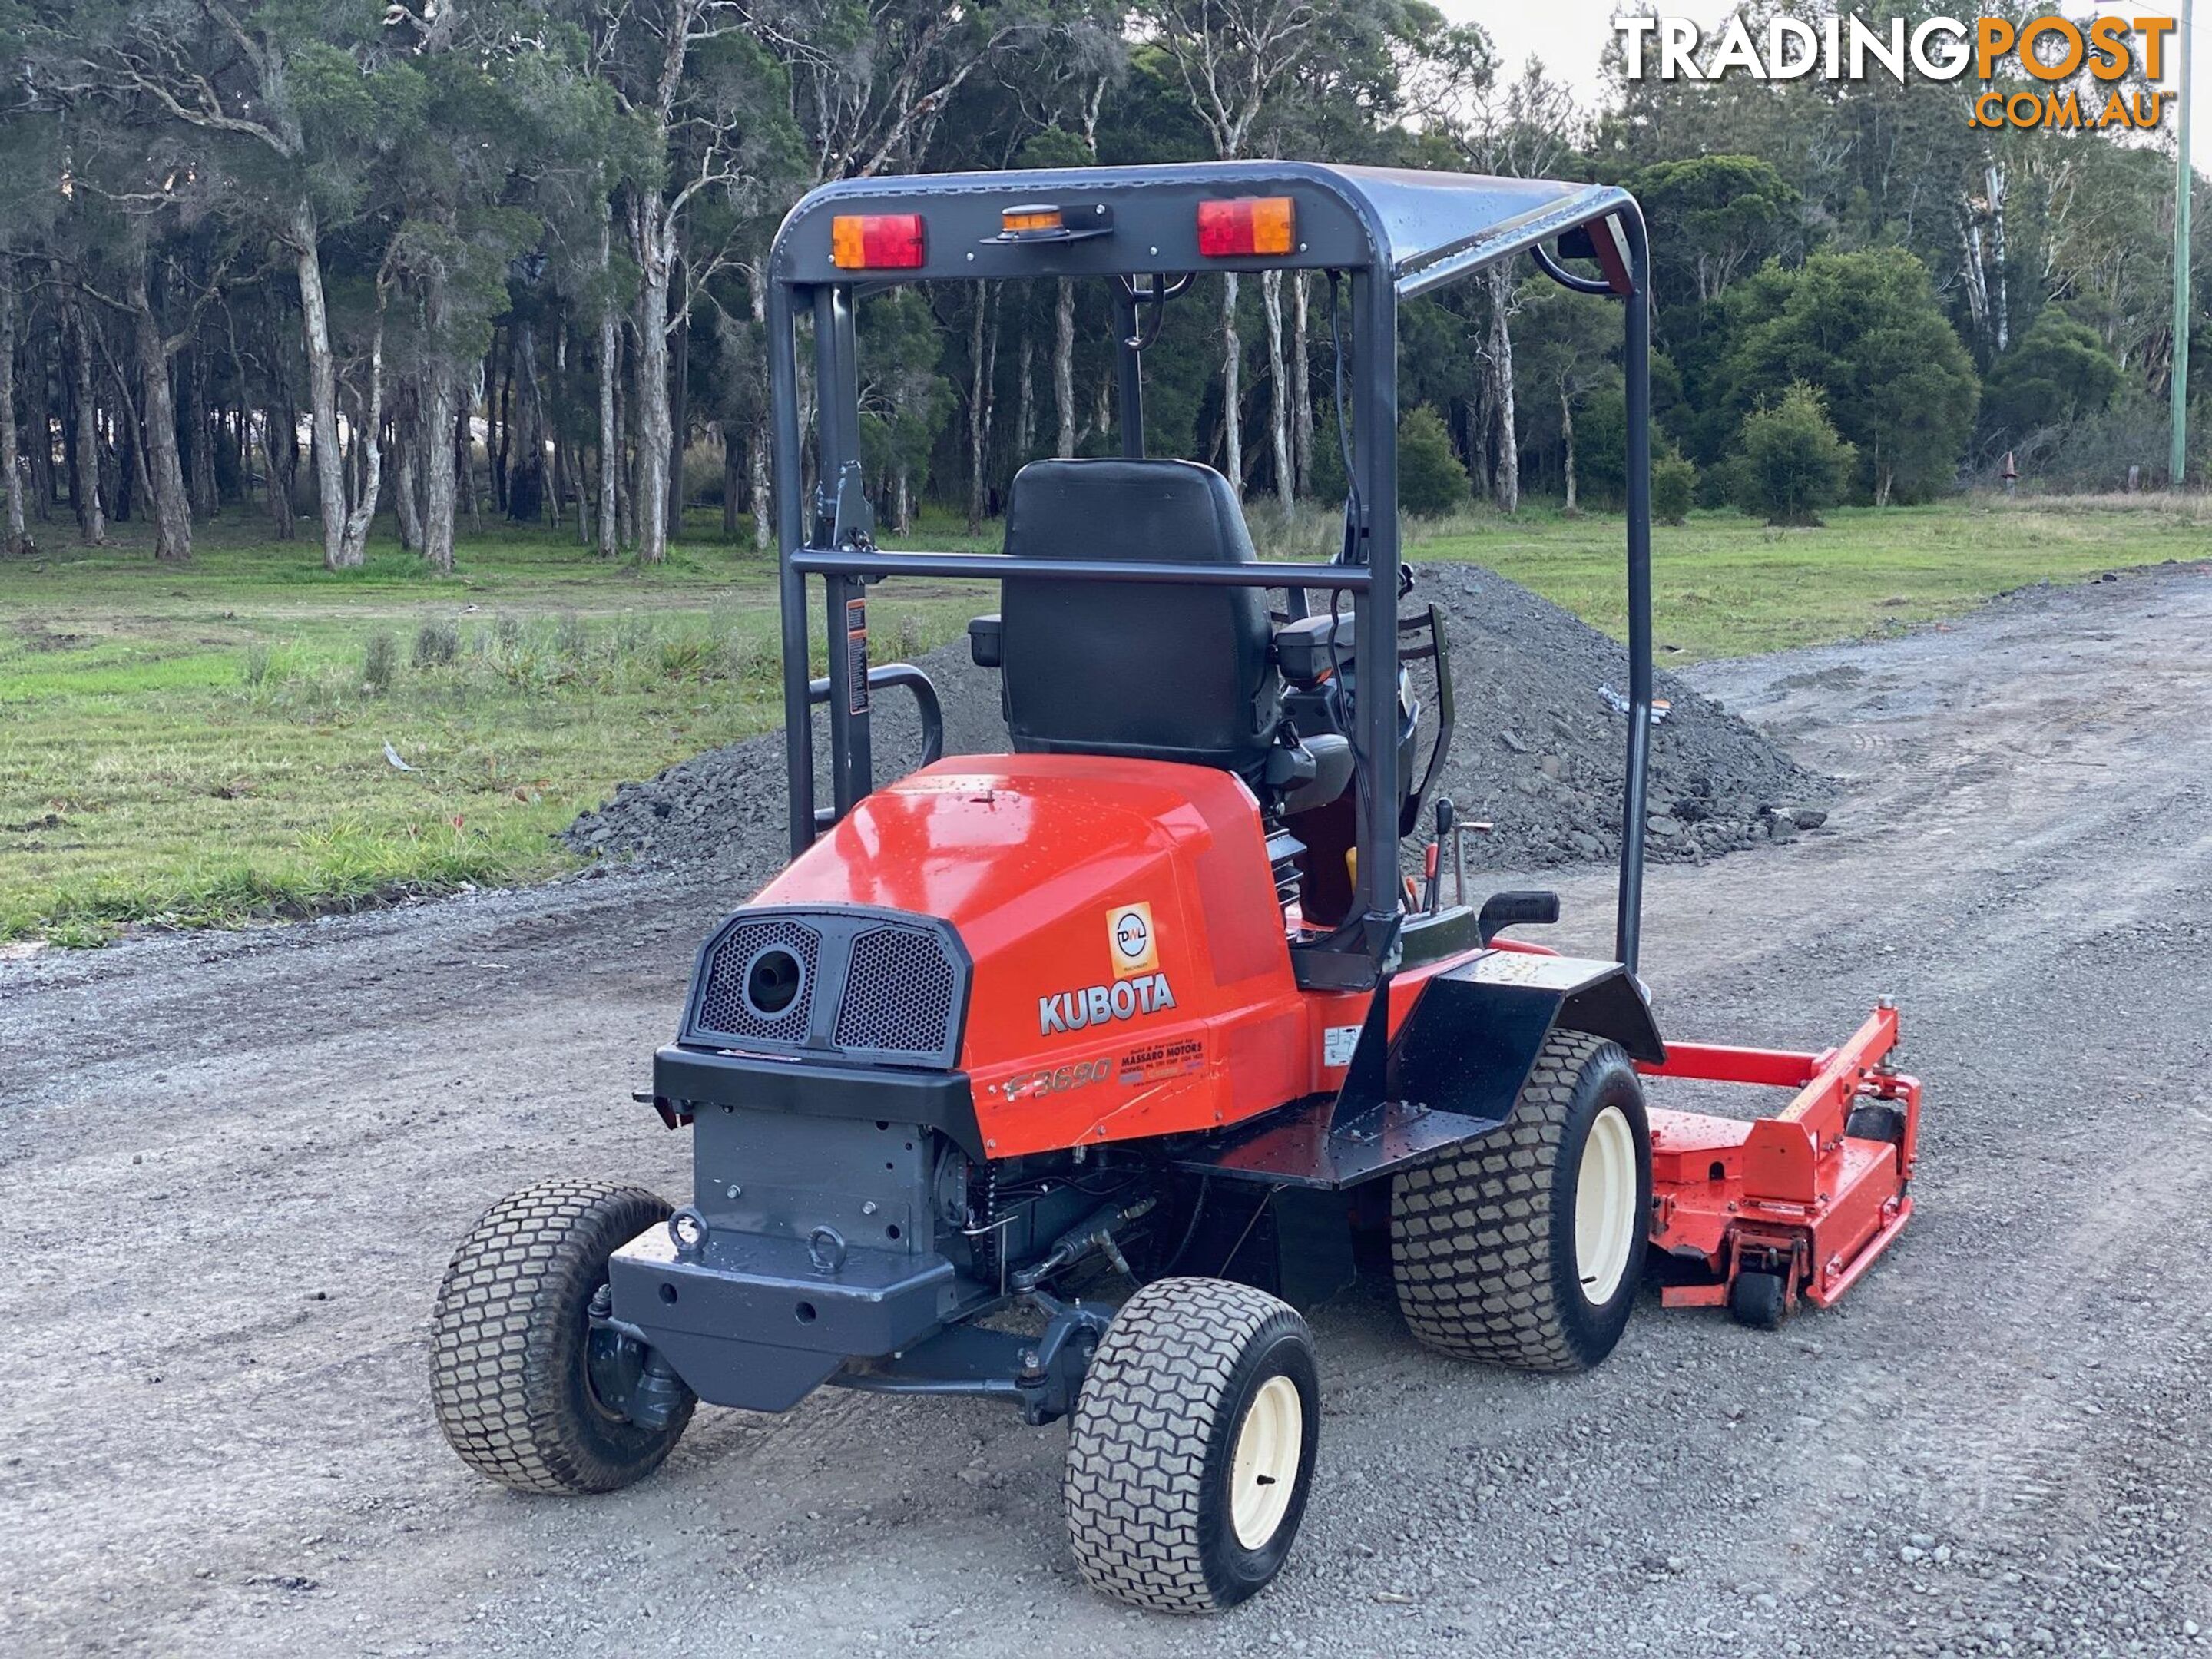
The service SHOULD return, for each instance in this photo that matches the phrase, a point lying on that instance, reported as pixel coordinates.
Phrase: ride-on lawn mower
(1064, 1077)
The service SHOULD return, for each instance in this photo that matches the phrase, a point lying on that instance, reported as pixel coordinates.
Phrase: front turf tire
(1190, 1451)
(509, 1341)
(1500, 1250)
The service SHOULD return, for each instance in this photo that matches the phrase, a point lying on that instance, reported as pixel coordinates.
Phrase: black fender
(1453, 1074)
(1473, 1037)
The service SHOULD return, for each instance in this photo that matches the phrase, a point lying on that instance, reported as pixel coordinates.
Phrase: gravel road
(235, 1165)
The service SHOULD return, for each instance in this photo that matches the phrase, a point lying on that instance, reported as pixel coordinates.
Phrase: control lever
(1445, 814)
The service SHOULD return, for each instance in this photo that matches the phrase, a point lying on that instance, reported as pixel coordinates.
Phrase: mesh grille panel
(723, 1007)
(899, 992)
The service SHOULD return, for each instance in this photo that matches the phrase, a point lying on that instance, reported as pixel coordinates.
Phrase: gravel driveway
(234, 1166)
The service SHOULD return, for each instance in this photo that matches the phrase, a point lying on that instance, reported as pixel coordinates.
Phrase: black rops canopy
(1140, 225)
(1425, 228)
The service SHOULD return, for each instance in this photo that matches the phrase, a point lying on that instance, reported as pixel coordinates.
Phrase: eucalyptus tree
(12, 470)
(702, 113)
(299, 107)
(30, 199)
(1523, 127)
(1565, 356)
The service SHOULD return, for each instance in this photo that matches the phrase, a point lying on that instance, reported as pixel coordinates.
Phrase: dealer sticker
(1337, 1044)
(1134, 945)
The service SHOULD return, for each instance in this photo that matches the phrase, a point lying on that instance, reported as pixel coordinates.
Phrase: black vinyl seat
(1141, 669)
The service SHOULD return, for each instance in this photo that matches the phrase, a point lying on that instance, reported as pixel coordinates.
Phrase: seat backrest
(1158, 671)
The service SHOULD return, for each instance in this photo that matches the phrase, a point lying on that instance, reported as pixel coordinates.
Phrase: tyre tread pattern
(499, 1355)
(1138, 1439)
(1470, 1234)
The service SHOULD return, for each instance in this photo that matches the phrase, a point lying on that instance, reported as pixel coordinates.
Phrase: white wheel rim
(1265, 1471)
(1605, 1206)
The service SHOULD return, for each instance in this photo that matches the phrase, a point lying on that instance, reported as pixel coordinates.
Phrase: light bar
(876, 242)
(1247, 225)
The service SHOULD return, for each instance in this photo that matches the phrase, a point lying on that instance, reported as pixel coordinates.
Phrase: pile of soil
(1537, 754)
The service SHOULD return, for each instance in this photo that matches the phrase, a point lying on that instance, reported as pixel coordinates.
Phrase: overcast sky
(1569, 35)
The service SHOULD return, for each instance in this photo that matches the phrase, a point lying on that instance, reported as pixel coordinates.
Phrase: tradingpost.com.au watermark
(2050, 49)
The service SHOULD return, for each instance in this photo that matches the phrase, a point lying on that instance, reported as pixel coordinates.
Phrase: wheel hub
(1270, 1443)
(1605, 1206)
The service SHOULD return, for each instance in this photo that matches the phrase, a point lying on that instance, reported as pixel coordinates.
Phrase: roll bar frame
(1342, 229)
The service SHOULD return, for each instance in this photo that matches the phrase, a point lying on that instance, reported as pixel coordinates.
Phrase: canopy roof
(1423, 228)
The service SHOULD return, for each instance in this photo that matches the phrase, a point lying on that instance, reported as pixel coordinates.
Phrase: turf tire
(1482, 1241)
(1153, 1441)
(508, 1343)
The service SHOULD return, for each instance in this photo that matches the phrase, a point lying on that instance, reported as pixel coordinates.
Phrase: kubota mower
(1064, 1077)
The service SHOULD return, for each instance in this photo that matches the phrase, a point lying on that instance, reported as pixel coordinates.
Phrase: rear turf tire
(1502, 1251)
(509, 1336)
(1190, 1451)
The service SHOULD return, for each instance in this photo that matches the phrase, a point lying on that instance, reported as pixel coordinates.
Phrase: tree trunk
(982, 365)
(610, 372)
(118, 490)
(1302, 421)
(84, 435)
(172, 515)
(280, 445)
(1279, 425)
(352, 547)
(2001, 302)
(464, 454)
(1063, 368)
(406, 469)
(1506, 486)
(499, 422)
(18, 536)
(653, 238)
(440, 416)
(1024, 399)
(1232, 387)
(756, 440)
(115, 480)
(205, 501)
(1567, 430)
(733, 478)
(39, 398)
(679, 413)
(625, 442)
(322, 385)
(523, 433)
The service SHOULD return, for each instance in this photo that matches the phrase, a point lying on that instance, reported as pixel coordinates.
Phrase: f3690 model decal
(1094, 1005)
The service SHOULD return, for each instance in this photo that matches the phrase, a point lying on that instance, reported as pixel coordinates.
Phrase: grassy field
(1727, 585)
(209, 743)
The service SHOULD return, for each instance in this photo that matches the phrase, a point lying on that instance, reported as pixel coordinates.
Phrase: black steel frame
(1153, 236)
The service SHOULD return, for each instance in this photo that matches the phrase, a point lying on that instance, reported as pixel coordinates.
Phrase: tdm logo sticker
(1094, 1005)
(1133, 945)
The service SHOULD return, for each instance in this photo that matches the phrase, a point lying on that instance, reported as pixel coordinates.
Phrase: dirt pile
(1537, 753)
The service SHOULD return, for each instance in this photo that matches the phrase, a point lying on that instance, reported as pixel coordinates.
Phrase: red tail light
(876, 242)
(1248, 224)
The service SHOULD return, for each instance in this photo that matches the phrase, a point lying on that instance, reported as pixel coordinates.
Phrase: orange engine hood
(1131, 972)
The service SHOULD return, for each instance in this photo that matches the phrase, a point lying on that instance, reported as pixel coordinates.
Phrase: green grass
(1727, 585)
(206, 744)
